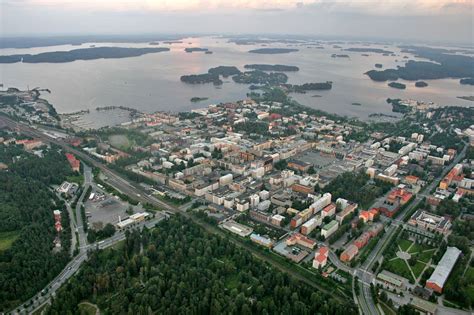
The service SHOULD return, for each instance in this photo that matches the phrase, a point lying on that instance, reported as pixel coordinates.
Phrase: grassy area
(416, 248)
(87, 308)
(120, 142)
(425, 256)
(78, 179)
(404, 244)
(418, 268)
(399, 267)
(7, 239)
(386, 309)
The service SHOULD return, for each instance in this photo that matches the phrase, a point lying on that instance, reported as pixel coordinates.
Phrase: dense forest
(445, 65)
(81, 54)
(178, 268)
(28, 263)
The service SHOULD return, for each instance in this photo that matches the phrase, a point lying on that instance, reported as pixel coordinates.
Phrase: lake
(152, 82)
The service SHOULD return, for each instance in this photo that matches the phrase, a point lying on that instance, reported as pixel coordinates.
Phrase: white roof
(445, 265)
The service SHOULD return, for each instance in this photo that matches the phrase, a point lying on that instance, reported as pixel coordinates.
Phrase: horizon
(443, 21)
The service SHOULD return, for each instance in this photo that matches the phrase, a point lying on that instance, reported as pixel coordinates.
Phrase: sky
(427, 20)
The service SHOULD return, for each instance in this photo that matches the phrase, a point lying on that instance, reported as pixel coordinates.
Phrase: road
(72, 267)
(376, 253)
(137, 193)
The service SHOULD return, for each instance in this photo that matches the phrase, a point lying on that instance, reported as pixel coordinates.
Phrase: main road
(364, 272)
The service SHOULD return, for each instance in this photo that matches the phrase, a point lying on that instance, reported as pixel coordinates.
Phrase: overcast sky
(430, 20)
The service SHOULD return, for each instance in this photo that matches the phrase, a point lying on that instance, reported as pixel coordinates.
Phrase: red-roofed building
(321, 257)
(300, 239)
(399, 195)
(75, 163)
(30, 144)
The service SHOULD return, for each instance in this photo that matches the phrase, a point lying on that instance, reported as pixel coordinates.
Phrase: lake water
(151, 82)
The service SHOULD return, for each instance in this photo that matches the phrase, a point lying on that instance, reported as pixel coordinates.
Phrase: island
(273, 51)
(224, 71)
(370, 50)
(378, 65)
(397, 85)
(444, 65)
(261, 77)
(339, 56)
(195, 49)
(81, 54)
(303, 88)
(266, 67)
(196, 99)
(201, 78)
(467, 81)
(421, 84)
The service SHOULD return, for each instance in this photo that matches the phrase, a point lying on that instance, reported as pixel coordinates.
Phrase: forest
(26, 211)
(178, 268)
(445, 65)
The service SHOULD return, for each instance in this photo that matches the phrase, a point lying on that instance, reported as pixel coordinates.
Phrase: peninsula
(81, 54)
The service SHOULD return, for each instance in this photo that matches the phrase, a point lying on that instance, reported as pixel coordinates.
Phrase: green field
(87, 308)
(418, 268)
(120, 141)
(7, 239)
(399, 267)
(404, 244)
(426, 255)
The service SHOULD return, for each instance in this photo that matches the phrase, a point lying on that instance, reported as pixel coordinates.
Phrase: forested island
(272, 51)
(370, 50)
(197, 99)
(444, 65)
(261, 77)
(339, 56)
(201, 78)
(224, 71)
(397, 85)
(467, 81)
(195, 49)
(421, 84)
(179, 268)
(212, 75)
(265, 67)
(303, 88)
(81, 54)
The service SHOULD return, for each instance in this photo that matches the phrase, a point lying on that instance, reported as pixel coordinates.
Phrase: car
(69, 268)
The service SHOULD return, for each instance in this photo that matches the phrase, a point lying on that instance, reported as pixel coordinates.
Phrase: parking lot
(104, 208)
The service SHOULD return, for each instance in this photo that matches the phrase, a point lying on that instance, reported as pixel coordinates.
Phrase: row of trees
(178, 268)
